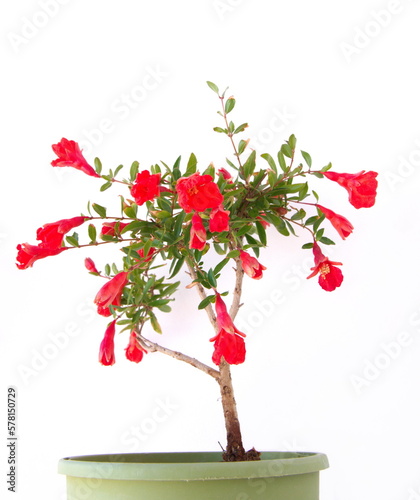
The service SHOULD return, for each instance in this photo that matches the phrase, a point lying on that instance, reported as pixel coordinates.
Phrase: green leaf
(98, 165)
(213, 87)
(205, 302)
(101, 211)
(233, 254)
(155, 323)
(287, 150)
(326, 241)
(241, 128)
(92, 232)
(261, 233)
(282, 161)
(131, 211)
(242, 145)
(221, 265)
(307, 246)
(249, 165)
(118, 169)
(211, 278)
(303, 191)
(292, 141)
(178, 224)
(134, 169)
(191, 165)
(176, 266)
(282, 228)
(269, 159)
(220, 130)
(327, 167)
(230, 104)
(299, 215)
(106, 186)
(73, 240)
(307, 158)
(175, 169)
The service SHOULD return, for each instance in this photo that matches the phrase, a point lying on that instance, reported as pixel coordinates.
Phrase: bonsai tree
(173, 216)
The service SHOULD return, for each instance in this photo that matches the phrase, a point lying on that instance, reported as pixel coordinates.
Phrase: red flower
(225, 174)
(145, 187)
(90, 265)
(251, 266)
(361, 187)
(106, 349)
(219, 220)
(112, 228)
(134, 352)
(149, 255)
(229, 341)
(70, 155)
(198, 192)
(330, 277)
(198, 233)
(110, 293)
(340, 223)
(52, 234)
(28, 254)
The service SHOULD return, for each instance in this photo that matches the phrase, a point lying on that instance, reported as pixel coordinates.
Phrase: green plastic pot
(193, 476)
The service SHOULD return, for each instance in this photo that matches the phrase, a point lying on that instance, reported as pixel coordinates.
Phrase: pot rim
(189, 466)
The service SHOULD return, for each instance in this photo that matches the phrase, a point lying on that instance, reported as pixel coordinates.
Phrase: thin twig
(203, 295)
(154, 347)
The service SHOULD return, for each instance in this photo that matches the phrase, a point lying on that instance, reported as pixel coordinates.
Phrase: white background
(333, 372)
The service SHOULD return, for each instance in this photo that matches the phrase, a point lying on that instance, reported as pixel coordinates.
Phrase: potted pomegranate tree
(171, 217)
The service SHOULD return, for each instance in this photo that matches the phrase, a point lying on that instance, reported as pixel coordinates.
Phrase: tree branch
(153, 347)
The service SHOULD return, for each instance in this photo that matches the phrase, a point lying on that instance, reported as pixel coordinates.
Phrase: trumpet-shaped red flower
(251, 266)
(198, 233)
(110, 293)
(28, 254)
(106, 349)
(112, 228)
(52, 234)
(330, 277)
(145, 187)
(361, 187)
(229, 341)
(70, 155)
(134, 352)
(198, 192)
(219, 220)
(340, 223)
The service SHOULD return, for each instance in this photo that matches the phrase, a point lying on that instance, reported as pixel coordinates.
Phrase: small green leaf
(307, 158)
(326, 241)
(233, 254)
(101, 211)
(220, 130)
(191, 165)
(92, 232)
(261, 233)
(134, 170)
(205, 302)
(241, 128)
(269, 159)
(282, 161)
(106, 186)
(287, 150)
(327, 167)
(155, 323)
(213, 87)
(211, 278)
(98, 165)
(249, 165)
(73, 240)
(131, 211)
(292, 141)
(299, 215)
(221, 265)
(307, 246)
(242, 145)
(230, 104)
(118, 169)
